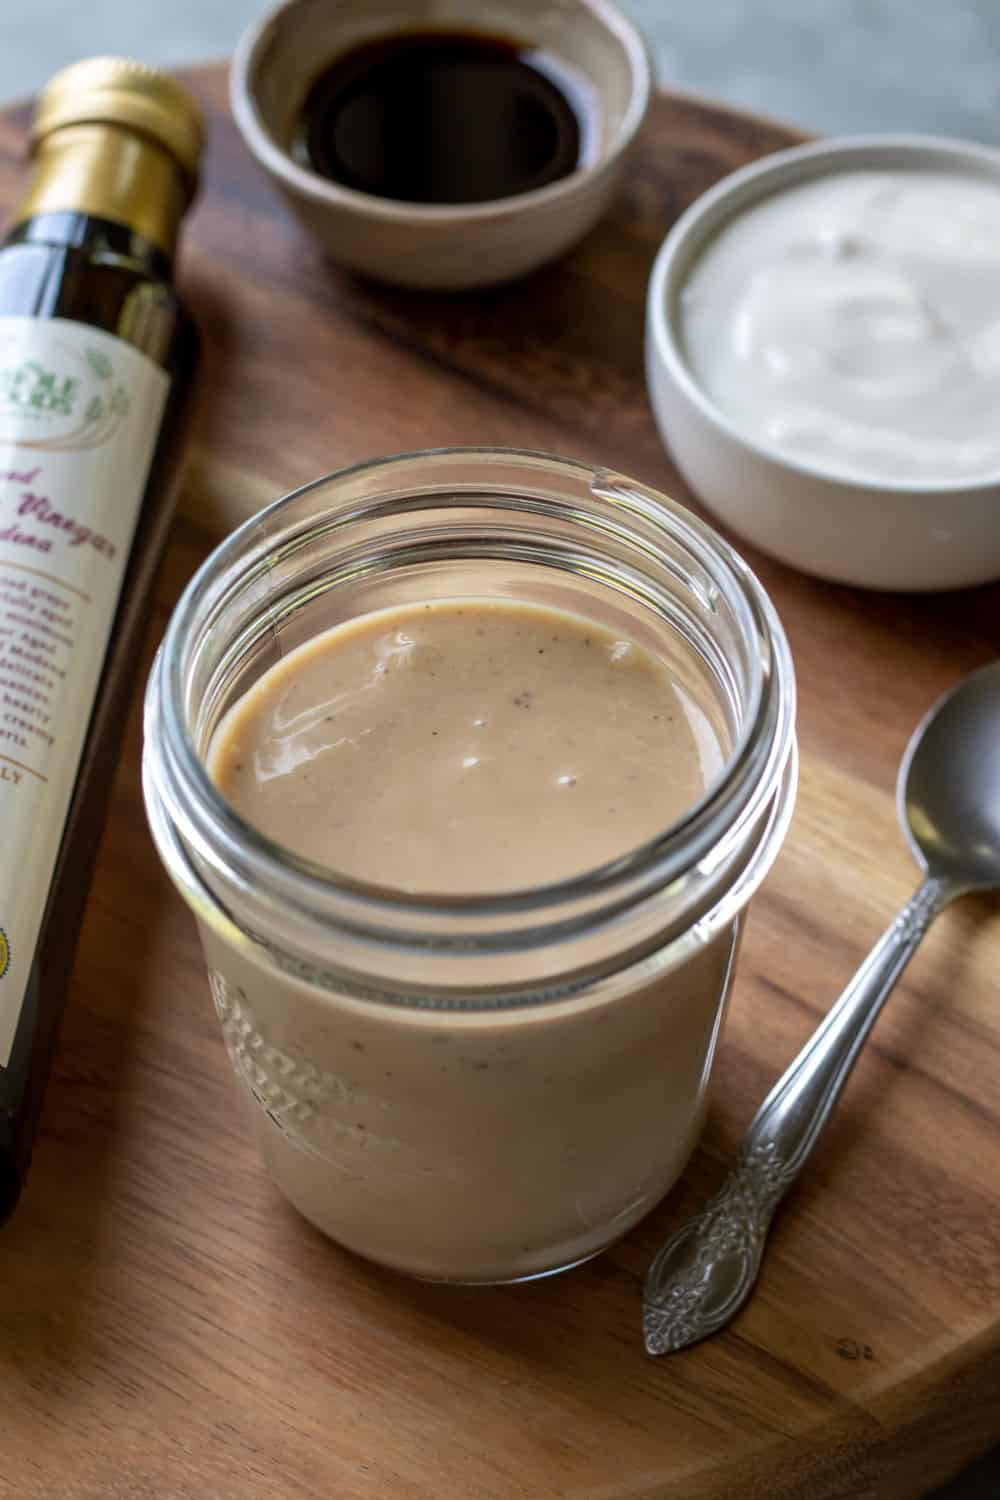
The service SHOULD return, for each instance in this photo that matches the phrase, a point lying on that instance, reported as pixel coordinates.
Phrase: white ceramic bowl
(444, 246)
(876, 534)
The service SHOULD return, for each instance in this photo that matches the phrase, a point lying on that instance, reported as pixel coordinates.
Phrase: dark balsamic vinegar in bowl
(443, 117)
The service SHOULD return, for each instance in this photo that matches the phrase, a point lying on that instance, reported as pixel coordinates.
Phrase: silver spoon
(948, 799)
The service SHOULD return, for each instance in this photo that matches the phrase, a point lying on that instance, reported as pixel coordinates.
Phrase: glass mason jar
(482, 1087)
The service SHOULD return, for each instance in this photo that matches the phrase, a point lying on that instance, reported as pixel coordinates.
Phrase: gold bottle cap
(116, 91)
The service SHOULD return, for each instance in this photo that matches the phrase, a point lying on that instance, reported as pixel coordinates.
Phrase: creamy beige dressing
(465, 745)
(853, 322)
(472, 745)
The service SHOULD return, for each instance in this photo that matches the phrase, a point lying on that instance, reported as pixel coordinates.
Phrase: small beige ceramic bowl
(414, 244)
(874, 533)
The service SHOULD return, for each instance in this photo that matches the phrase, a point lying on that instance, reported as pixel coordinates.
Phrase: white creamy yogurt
(853, 323)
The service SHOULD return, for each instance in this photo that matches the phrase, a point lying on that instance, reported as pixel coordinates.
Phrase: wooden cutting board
(169, 1327)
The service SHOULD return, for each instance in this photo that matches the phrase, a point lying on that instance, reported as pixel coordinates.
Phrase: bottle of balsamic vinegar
(97, 357)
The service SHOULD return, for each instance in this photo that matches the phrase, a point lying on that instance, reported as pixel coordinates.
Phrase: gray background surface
(829, 65)
(832, 65)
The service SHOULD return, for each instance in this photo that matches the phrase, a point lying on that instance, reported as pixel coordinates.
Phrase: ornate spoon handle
(706, 1270)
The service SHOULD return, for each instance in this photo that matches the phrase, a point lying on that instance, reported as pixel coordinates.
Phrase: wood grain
(170, 1328)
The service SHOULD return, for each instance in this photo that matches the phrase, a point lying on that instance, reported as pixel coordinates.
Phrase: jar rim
(760, 750)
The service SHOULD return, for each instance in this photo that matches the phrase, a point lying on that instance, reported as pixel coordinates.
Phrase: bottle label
(80, 411)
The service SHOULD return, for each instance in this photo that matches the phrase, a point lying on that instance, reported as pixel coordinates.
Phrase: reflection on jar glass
(492, 1085)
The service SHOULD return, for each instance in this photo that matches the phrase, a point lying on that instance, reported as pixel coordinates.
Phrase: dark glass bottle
(115, 151)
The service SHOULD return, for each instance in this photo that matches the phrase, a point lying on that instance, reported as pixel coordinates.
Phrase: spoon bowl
(949, 785)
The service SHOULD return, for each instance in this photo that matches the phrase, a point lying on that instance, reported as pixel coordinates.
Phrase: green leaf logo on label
(58, 406)
(99, 363)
